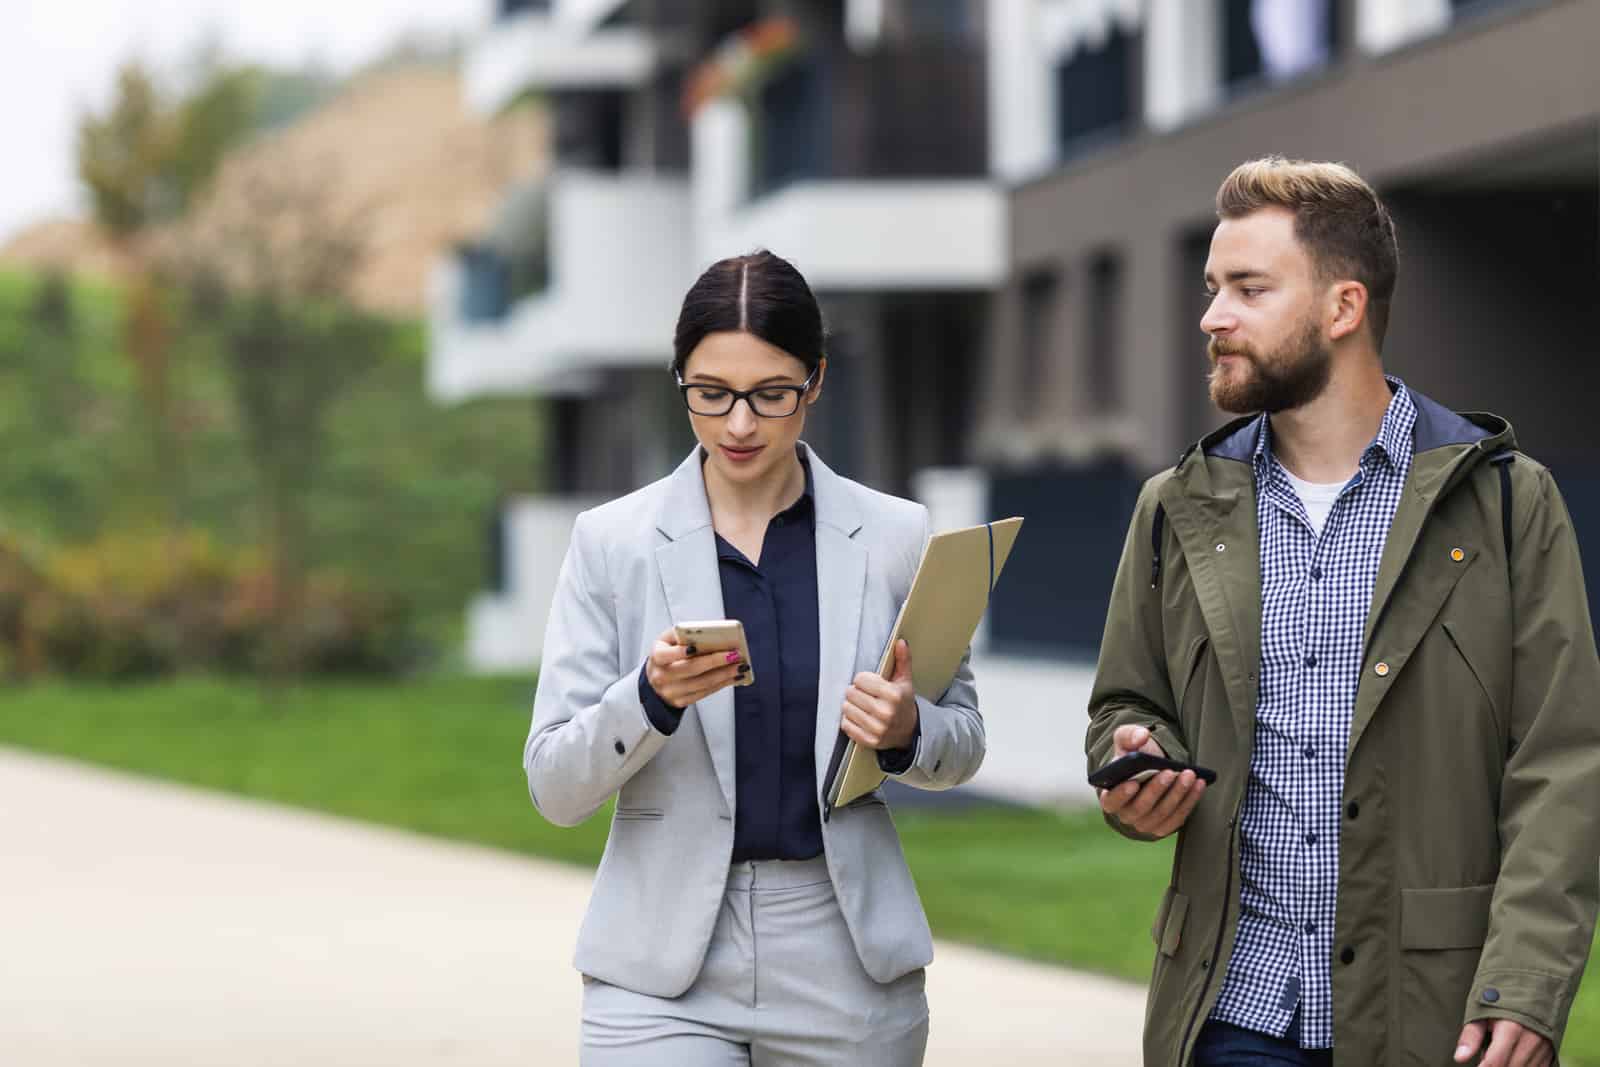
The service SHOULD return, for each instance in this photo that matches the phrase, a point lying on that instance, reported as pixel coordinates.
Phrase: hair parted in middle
(1338, 217)
(760, 294)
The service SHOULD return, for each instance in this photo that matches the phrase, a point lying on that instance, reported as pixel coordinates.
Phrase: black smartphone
(1142, 765)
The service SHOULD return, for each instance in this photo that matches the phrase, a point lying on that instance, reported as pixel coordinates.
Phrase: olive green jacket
(1470, 842)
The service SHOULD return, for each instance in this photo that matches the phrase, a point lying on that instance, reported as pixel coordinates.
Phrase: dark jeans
(1225, 1045)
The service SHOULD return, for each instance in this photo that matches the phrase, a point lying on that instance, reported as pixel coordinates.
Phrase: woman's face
(743, 446)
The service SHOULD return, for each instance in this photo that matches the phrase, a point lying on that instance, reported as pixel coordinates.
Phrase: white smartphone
(718, 635)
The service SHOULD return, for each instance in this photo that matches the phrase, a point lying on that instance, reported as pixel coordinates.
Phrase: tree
(266, 272)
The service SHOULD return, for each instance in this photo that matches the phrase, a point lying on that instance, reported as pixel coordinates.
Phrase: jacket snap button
(1457, 555)
(1491, 995)
(1381, 670)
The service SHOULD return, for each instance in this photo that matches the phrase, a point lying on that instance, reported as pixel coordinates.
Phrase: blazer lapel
(841, 592)
(690, 580)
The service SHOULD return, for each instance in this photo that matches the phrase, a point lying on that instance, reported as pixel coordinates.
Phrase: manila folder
(948, 597)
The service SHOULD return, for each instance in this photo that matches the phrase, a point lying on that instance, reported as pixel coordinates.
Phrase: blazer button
(1491, 995)
(622, 749)
(1381, 670)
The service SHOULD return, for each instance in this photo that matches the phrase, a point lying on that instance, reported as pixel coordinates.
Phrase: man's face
(1268, 350)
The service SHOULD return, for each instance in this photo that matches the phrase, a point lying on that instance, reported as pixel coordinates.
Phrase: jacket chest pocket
(1191, 697)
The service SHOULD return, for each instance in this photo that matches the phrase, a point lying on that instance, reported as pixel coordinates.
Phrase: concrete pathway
(143, 923)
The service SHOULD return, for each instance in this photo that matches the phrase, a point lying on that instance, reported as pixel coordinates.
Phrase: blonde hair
(1338, 218)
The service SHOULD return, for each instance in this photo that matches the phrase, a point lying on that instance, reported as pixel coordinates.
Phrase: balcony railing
(905, 111)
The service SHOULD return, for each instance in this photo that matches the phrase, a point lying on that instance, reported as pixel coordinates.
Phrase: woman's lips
(741, 455)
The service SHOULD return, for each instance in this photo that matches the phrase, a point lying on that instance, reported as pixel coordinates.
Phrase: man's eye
(1253, 291)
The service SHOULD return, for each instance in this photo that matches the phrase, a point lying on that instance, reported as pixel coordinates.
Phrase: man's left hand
(881, 712)
(1511, 1045)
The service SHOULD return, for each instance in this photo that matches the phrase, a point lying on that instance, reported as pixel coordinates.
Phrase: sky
(61, 57)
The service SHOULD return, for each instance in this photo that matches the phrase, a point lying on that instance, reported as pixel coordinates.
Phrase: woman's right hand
(681, 676)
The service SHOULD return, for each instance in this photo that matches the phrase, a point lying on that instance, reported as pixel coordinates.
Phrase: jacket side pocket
(1435, 919)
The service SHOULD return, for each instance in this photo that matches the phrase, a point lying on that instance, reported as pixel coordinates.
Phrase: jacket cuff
(901, 760)
(664, 717)
(1537, 1000)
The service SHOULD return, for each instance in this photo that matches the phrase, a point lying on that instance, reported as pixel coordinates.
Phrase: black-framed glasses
(767, 401)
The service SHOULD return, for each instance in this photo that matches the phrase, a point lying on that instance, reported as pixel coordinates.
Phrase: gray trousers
(782, 986)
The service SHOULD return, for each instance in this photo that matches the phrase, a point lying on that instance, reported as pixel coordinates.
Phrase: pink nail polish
(733, 657)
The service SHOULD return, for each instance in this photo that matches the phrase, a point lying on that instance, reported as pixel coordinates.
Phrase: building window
(508, 8)
(1095, 90)
(1104, 354)
(1040, 304)
(1265, 41)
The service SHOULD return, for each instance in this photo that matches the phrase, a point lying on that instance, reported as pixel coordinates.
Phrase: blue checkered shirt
(1315, 593)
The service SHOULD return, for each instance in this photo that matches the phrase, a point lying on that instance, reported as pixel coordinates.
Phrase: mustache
(1216, 349)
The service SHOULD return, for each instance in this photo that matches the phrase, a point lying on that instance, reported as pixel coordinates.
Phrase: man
(1367, 615)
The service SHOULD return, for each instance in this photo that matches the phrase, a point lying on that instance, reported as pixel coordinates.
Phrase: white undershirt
(1317, 497)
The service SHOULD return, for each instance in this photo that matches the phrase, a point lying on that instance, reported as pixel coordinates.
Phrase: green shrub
(148, 606)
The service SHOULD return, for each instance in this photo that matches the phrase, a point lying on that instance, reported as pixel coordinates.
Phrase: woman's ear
(816, 382)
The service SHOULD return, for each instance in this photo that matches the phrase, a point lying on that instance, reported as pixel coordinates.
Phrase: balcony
(550, 47)
(840, 168)
(617, 249)
(906, 112)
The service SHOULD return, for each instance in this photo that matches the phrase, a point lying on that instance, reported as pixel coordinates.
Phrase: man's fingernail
(733, 657)
(1463, 1050)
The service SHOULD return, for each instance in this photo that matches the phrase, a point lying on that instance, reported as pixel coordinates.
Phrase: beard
(1293, 375)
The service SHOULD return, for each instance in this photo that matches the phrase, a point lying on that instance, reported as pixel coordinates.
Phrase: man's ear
(1349, 306)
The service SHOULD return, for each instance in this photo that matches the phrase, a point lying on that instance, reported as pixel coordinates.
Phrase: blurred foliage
(399, 506)
(152, 605)
(150, 155)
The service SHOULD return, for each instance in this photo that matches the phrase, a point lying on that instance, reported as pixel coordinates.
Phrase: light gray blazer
(637, 565)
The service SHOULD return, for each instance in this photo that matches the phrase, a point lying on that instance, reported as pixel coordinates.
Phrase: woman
(728, 923)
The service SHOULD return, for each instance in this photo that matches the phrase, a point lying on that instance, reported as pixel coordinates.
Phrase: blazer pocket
(1434, 919)
(638, 814)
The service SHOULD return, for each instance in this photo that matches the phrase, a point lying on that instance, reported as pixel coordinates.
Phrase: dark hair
(760, 294)
(1337, 217)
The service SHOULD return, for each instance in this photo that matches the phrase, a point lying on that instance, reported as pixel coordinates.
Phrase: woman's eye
(771, 396)
(711, 396)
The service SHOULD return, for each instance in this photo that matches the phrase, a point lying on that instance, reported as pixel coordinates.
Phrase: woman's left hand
(879, 712)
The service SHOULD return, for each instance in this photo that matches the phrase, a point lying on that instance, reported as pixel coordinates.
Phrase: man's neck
(1322, 442)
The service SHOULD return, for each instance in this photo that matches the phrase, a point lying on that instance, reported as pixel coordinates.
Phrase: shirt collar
(1392, 444)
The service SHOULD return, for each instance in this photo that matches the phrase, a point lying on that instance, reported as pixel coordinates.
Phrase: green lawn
(442, 756)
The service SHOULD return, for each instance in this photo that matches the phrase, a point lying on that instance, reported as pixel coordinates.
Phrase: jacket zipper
(1222, 924)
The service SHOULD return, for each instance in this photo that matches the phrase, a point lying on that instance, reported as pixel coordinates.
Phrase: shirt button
(1309, 752)
(1316, 574)
(620, 747)
(1311, 839)
(1311, 928)
(1311, 661)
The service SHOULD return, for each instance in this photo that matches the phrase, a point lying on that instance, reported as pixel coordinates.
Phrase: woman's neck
(755, 503)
